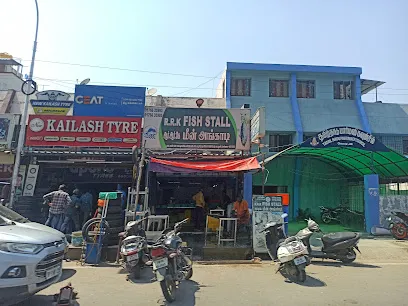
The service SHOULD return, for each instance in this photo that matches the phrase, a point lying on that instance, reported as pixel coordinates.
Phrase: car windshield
(11, 215)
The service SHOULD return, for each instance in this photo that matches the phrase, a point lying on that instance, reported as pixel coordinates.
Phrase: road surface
(328, 283)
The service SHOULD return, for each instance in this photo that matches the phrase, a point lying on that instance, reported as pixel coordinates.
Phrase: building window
(343, 90)
(305, 89)
(279, 143)
(279, 88)
(405, 145)
(240, 87)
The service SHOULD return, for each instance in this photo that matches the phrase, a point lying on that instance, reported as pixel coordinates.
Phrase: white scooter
(290, 253)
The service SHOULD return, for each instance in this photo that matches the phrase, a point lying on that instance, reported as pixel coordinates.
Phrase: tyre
(301, 275)
(189, 274)
(168, 287)
(89, 227)
(114, 209)
(326, 218)
(115, 223)
(350, 257)
(399, 231)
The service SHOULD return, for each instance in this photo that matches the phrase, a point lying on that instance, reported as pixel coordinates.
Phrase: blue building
(301, 101)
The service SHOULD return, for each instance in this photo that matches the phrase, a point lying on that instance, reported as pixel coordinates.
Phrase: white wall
(182, 102)
(10, 81)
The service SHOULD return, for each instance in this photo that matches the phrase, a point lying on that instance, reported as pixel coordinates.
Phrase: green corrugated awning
(352, 149)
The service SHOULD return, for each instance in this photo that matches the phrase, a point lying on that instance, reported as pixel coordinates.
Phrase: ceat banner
(82, 131)
(109, 101)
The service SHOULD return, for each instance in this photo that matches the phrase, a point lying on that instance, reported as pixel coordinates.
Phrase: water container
(76, 239)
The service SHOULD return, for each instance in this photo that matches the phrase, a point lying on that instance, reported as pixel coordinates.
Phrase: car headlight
(23, 248)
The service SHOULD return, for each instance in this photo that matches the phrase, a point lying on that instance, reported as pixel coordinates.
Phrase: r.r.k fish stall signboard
(191, 128)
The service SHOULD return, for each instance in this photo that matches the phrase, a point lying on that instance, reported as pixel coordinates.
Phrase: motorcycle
(134, 248)
(398, 229)
(328, 214)
(337, 246)
(290, 253)
(171, 263)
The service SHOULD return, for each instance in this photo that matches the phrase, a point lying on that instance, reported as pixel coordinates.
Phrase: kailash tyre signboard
(83, 131)
(194, 128)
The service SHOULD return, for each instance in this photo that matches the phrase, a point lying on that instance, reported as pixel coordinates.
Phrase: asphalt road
(328, 283)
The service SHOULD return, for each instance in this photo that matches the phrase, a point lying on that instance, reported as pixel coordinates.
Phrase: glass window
(279, 143)
(279, 88)
(305, 89)
(240, 87)
(343, 90)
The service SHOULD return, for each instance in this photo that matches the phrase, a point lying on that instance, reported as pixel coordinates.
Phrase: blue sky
(199, 37)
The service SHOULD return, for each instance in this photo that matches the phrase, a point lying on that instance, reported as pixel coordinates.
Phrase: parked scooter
(171, 263)
(328, 214)
(134, 248)
(398, 225)
(337, 246)
(290, 253)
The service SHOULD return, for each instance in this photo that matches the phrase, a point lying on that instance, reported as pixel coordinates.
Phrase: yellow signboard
(51, 111)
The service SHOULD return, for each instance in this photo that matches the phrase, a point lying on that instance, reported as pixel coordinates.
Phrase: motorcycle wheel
(189, 274)
(135, 271)
(326, 218)
(399, 231)
(301, 275)
(350, 257)
(168, 287)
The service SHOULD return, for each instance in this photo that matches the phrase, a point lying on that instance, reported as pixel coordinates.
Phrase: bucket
(93, 253)
(76, 239)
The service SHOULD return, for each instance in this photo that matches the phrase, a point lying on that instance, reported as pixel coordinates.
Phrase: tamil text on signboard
(345, 137)
(168, 128)
(109, 101)
(71, 131)
(264, 209)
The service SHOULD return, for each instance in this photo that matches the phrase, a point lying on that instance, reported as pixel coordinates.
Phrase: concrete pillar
(248, 188)
(296, 186)
(371, 201)
(361, 111)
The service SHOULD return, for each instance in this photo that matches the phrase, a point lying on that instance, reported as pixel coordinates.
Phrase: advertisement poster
(345, 137)
(31, 180)
(20, 180)
(71, 131)
(258, 124)
(7, 124)
(193, 128)
(264, 209)
(109, 101)
(46, 107)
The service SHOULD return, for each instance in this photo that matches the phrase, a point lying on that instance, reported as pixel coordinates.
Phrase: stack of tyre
(115, 220)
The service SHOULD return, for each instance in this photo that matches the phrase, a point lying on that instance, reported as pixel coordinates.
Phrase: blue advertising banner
(109, 101)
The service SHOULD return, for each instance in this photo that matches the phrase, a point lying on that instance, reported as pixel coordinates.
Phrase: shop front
(193, 152)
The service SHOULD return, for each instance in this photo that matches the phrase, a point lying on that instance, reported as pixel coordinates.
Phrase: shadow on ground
(341, 265)
(45, 300)
(185, 295)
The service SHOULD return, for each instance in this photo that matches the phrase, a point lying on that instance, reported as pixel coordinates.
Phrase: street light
(23, 120)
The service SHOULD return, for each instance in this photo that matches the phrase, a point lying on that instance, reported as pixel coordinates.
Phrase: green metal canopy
(351, 151)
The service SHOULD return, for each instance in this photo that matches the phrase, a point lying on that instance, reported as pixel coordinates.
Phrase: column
(371, 201)
(248, 188)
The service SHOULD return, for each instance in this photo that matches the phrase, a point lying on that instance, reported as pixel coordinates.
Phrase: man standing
(85, 207)
(58, 202)
(242, 213)
(71, 215)
(199, 209)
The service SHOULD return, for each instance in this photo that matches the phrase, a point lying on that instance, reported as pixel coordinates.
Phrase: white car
(31, 256)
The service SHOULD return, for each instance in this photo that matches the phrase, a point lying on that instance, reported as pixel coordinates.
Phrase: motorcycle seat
(333, 238)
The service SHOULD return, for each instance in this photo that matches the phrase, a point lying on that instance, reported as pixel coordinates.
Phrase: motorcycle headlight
(22, 248)
(389, 219)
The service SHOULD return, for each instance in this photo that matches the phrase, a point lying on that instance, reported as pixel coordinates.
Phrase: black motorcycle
(134, 248)
(171, 262)
(337, 246)
(398, 225)
(328, 214)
